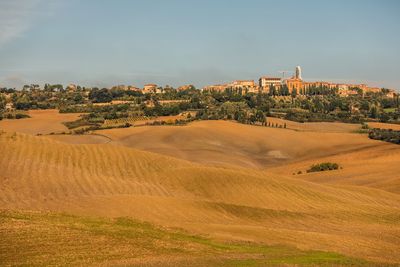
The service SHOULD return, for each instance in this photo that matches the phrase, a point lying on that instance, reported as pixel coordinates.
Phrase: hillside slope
(239, 204)
(222, 143)
(366, 162)
(228, 143)
(375, 167)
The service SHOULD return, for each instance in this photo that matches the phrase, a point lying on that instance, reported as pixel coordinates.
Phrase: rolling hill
(365, 162)
(226, 204)
(232, 144)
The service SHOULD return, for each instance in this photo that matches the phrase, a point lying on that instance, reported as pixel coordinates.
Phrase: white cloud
(17, 16)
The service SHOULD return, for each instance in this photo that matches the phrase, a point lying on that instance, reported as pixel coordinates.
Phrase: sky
(174, 42)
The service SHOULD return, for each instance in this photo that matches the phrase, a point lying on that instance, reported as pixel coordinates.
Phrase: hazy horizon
(104, 43)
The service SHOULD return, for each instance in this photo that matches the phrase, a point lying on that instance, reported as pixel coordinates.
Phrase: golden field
(41, 122)
(226, 181)
(236, 145)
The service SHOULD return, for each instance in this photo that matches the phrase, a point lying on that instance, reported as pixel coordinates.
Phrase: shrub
(12, 115)
(21, 116)
(79, 131)
(325, 166)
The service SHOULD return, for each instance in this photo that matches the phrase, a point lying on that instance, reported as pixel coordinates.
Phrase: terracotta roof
(270, 78)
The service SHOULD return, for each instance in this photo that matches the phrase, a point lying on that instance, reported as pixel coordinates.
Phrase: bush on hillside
(325, 166)
(13, 115)
(21, 116)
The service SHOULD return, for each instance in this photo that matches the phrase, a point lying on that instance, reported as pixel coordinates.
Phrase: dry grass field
(225, 204)
(80, 139)
(141, 120)
(384, 125)
(377, 167)
(232, 144)
(41, 122)
(365, 162)
(334, 127)
(223, 180)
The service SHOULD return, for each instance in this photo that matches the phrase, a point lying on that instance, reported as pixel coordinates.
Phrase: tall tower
(298, 72)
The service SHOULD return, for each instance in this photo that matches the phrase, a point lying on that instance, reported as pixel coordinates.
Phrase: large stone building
(216, 87)
(150, 88)
(242, 84)
(245, 86)
(294, 84)
(268, 81)
(133, 88)
(265, 83)
(185, 87)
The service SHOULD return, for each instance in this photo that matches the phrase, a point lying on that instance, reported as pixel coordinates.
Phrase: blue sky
(175, 42)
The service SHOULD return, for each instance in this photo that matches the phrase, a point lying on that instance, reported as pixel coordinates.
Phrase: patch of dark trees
(387, 135)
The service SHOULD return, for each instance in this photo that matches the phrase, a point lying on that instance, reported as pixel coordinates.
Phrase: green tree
(260, 117)
(100, 96)
(373, 112)
(272, 90)
(384, 117)
(294, 93)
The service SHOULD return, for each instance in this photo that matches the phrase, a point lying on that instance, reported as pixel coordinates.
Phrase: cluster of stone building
(147, 88)
(151, 88)
(266, 83)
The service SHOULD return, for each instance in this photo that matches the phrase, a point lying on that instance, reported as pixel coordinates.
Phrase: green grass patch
(388, 110)
(33, 238)
(316, 258)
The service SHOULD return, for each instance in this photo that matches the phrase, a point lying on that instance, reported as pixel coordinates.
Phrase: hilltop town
(242, 100)
(279, 86)
(295, 85)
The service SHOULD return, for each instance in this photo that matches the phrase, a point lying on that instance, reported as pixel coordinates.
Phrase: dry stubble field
(223, 180)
